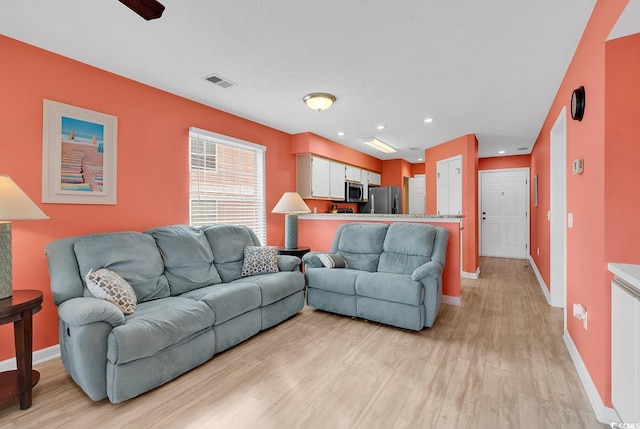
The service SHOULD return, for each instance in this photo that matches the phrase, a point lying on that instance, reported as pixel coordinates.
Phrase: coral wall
(586, 271)
(153, 129)
(467, 146)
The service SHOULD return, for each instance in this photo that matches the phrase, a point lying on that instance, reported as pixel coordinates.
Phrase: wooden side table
(298, 251)
(19, 309)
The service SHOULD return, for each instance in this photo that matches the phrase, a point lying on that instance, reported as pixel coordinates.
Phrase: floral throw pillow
(260, 260)
(107, 284)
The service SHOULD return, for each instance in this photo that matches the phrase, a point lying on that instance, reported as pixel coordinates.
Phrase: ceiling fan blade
(148, 9)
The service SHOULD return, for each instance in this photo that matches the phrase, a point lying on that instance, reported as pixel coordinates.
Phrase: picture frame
(535, 190)
(79, 155)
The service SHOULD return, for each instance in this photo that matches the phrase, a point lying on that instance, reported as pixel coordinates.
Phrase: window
(226, 182)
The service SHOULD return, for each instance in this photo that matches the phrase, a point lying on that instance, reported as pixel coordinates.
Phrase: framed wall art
(79, 152)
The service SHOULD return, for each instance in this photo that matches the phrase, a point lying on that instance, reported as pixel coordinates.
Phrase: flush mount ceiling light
(319, 100)
(377, 144)
(428, 120)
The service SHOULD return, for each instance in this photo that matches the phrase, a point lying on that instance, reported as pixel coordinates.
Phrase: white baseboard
(468, 275)
(543, 286)
(453, 300)
(39, 356)
(604, 414)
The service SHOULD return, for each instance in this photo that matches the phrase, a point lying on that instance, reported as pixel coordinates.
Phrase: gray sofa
(191, 303)
(393, 274)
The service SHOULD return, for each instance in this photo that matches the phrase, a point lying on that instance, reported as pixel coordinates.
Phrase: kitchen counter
(383, 217)
(317, 230)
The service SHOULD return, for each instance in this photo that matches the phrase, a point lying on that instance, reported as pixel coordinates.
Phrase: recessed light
(340, 133)
(381, 127)
(420, 159)
(428, 120)
(501, 152)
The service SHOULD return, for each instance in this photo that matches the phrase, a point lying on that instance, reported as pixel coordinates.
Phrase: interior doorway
(558, 212)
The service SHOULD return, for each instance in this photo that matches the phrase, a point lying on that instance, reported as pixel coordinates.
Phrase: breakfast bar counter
(317, 230)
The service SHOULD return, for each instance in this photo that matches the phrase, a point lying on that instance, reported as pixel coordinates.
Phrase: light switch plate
(570, 220)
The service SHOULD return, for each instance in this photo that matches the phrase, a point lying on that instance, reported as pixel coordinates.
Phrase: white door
(504, 213)
(449, 176)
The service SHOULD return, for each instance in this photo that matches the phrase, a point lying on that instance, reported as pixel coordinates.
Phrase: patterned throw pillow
(332, 260)
(106, 284)
(260, 260)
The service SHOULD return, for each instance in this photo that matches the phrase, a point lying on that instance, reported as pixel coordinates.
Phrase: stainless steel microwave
(354, 192)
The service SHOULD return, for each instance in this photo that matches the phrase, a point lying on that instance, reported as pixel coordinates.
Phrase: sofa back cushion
(227, 244)
(360, 244)
(406, 247)
(134, 256)
(187, 257)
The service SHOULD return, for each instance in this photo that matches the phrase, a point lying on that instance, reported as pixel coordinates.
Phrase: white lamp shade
(292, 203)
(15, 204)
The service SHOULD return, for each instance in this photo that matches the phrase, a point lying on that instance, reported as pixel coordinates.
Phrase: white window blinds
(226, 182)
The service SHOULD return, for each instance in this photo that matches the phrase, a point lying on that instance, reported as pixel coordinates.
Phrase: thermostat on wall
(578, 166)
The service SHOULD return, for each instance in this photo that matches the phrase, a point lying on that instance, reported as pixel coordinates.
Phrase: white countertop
(382, 217)
(629, 273)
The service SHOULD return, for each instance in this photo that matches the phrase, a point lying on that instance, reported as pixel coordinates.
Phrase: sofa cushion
(276, 286)
(390, 287)
(228, 300)
(406, 247)
(360, 244)
(156, 326)
(228, 243)
(107, 284)
(187, 256)
(134, 256)
(340, 281)
(259, 260)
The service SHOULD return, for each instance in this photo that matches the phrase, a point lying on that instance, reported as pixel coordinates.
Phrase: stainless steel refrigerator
(387, 200)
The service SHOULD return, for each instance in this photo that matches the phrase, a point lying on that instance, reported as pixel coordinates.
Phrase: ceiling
(489, 67)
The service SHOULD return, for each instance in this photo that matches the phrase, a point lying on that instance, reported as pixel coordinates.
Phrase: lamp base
(5, 260)
(291, 231)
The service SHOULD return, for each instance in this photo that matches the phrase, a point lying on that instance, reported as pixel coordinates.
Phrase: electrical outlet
(538, 251)
(548, 215)
(570, 220)
(580, 313)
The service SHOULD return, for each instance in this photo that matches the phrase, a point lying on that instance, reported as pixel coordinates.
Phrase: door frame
(527, 203)
(558, 213)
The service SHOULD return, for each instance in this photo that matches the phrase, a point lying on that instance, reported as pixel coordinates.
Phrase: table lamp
(291, 204)
(14, 205)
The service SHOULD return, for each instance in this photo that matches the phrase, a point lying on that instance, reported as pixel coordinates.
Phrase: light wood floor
(497, 361)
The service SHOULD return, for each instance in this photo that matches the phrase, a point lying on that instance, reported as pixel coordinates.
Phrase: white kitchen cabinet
(337, 181)
(374, 179)
(313, 177)
(352, 174)
(319, 178)
(365, 185)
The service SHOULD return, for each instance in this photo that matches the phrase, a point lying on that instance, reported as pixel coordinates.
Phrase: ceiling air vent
(220, 81)
(523, 148)
(414, 148)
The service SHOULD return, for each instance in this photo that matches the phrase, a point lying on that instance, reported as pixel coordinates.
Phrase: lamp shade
(15, 204)
(292, 203)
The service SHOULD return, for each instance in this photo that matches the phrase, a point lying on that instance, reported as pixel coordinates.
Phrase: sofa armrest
(288, 263)
(311, 260)
(87, 310)
(430, 269)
